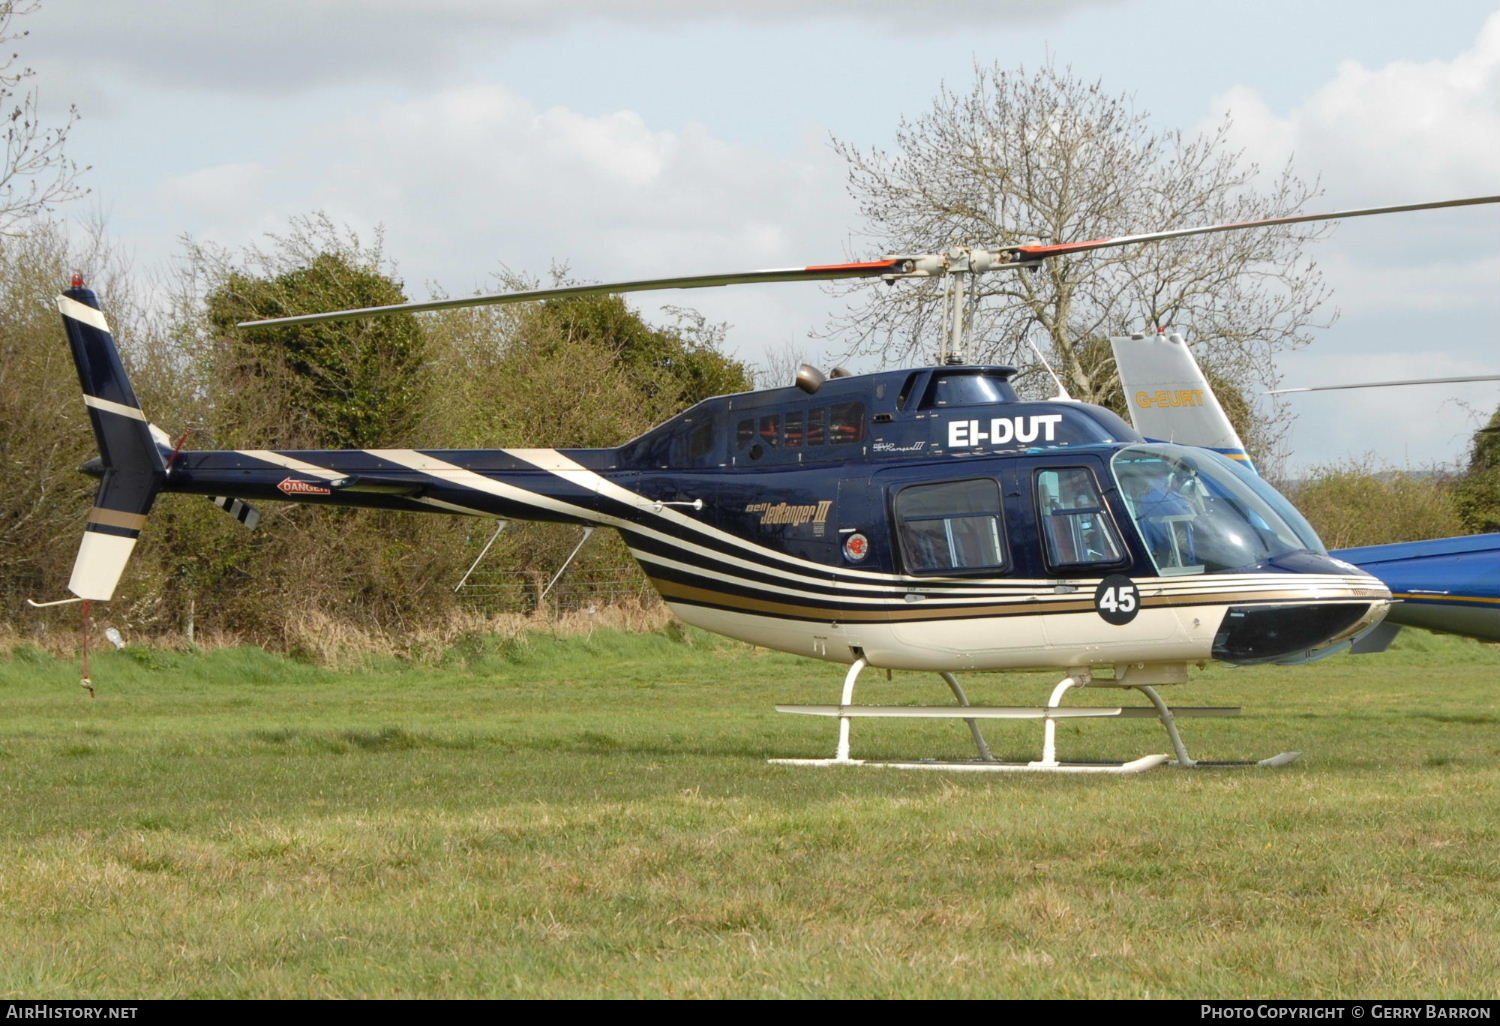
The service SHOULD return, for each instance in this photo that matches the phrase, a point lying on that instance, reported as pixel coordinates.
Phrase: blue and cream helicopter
(923, 519)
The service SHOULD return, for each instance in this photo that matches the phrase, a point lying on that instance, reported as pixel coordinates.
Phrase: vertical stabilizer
(1169, 398)
(133, 463)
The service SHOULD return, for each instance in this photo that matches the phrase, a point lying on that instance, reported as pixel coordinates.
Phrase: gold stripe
(670, 590)
(1231, 598)
(1031, 606)
(114, 518)
(1445, 598)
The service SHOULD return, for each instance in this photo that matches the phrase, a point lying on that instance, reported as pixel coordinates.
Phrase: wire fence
(501, 590)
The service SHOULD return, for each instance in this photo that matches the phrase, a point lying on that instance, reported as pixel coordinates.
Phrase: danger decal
(292, 486)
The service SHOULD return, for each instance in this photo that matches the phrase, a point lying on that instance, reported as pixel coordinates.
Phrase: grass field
(595, 817)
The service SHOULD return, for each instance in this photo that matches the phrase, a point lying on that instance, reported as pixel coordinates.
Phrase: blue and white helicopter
(922, 519)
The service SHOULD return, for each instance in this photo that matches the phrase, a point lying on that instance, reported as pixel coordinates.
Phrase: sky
(646, 138)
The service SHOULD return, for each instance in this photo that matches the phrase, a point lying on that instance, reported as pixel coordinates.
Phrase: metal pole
(963, 699)
(841, 754)
(587, 531)
(500, 526)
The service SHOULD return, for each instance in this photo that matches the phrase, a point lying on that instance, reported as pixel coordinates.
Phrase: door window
(952, 526)
(1076, 528)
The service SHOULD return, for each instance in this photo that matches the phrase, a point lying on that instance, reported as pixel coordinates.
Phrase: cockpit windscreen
(1199, 513)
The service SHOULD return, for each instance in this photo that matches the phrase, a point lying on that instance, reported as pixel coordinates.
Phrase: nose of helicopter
(1335, 606)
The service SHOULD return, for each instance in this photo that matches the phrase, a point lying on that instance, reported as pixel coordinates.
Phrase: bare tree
(1048, 158)
(36, 173)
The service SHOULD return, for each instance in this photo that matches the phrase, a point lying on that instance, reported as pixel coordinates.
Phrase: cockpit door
(1097, 604)
(1076, 531)
(948, 521)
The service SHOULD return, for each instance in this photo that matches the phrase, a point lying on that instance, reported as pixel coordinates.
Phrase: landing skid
(1053, 711)
(977, 766)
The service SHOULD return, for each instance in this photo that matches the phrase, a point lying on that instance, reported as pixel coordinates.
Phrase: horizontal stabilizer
(239, 509)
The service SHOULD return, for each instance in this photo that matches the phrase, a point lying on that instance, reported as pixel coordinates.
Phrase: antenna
(1062, 390)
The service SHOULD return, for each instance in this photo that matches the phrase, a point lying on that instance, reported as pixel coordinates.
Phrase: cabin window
(701, 440)
(846, 423)
(839, 424)
(956, 526)
(770, 430)
(969, 389)
(816, 426)
(905, 396)
(1077, 530)
(1197, 511)
(794, 430)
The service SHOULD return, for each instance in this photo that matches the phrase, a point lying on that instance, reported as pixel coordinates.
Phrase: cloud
(471, 179)
(1428, 287)
(277, 47)
(1405, 132)
(482, 169)
(1423, 129)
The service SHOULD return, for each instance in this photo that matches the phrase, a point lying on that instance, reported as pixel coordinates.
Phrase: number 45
(1117, 599)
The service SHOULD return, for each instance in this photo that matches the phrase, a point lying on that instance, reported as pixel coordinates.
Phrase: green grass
(595, 817)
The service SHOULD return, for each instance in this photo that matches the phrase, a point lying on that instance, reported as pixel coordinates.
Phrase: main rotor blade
(823, 272)
(1028, 253)
(960, 260)
(1387, 384)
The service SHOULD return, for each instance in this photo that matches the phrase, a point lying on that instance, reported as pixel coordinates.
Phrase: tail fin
(134, 467)
(1169, 398)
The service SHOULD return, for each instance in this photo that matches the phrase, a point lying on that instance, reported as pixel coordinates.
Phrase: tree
(1360, 503)
(586, 371)
(1477, 496)
(36, 173)
(673, 366)
(336, 385)
(44, 432)
(1049, 158)
(354, 384)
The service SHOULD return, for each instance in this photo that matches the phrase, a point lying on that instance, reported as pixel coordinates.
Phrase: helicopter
(922, 519)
